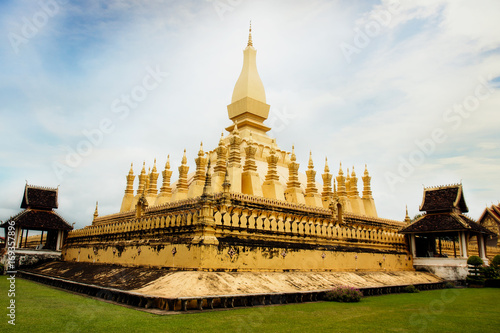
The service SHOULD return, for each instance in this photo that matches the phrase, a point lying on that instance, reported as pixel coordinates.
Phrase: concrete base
(453, 269)
(160, 282)
(30, 257)
(160, 304)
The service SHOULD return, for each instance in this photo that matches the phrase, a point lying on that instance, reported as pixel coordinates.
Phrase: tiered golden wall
(253, 234)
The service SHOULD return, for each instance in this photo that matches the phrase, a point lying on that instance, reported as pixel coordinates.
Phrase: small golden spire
(131, 171)
(293, 158)
(200, 152)
(167, 165)
(184, 158)
(327, 169)
(250, 43)
(340, 169)
(407, 217)
(154, 166)
(96, 213)
(311, 165)
(143, 171)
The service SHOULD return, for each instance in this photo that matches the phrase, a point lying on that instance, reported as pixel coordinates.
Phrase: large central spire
(249, 83)
(248, 106)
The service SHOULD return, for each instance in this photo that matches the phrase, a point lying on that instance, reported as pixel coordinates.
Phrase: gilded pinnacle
(167, 165)
(311, 165)
(184, 159)
(250, 43)
(200, 152)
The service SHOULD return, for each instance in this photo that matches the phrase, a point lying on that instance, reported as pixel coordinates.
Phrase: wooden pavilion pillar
(413, 247)
(18, 237)
(462, 244)
(59, 240)
(481, 246)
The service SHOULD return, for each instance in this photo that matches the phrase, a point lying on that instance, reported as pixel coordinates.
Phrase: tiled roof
(493, 211)
(39, 197)
(443, 198)
(444, 222)
(39, 220)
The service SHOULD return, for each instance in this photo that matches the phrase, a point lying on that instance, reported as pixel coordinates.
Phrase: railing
(450, 248)
(265, 218)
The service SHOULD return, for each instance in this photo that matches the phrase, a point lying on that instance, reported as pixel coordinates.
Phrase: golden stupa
(245, 207)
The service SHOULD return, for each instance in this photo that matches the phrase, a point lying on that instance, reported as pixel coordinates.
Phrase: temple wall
(253, 234)
(238, 258)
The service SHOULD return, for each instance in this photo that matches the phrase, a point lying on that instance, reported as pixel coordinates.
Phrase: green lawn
(43, 309)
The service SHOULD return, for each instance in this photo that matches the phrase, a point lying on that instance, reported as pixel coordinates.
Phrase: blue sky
(410, 88)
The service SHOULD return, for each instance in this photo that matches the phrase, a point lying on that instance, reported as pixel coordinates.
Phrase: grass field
(43, 309)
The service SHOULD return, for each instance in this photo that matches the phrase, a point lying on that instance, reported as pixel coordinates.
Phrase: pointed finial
(96, 213)
(293, 158)
(235, 129)
(340, 169)
(143, 167)
(327, 169)
(366, 170)
(407, 217)
(311, 165)
(167, 165)
(154, 166)
(131, 171)
(250, 43)
(200, 152)
(353, 174)
(184, 159)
